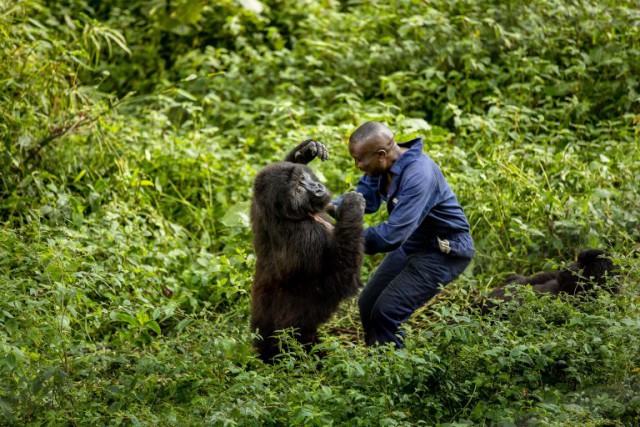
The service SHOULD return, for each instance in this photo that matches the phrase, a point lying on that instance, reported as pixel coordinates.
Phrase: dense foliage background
(131, 132)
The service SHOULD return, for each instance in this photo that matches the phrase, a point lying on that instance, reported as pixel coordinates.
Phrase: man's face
(368, 158)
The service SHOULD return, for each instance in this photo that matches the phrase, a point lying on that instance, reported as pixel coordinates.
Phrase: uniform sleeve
(368, 187)
(417, 195)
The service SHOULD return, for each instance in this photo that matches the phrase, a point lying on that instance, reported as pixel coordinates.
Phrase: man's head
(370, 146)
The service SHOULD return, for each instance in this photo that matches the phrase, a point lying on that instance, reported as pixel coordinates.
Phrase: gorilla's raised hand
(307, 151)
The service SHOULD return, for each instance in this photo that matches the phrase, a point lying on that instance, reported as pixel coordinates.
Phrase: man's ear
(382, 154)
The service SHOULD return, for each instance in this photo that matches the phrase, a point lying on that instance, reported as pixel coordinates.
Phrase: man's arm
(417, 196)
(368, 187)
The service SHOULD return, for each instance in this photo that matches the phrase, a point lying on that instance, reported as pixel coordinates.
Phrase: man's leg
(416, 284)
(391, 266)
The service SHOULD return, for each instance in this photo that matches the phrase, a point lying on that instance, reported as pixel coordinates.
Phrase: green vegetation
(131, 131)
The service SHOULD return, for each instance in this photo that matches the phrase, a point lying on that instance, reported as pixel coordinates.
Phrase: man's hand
(307, 151)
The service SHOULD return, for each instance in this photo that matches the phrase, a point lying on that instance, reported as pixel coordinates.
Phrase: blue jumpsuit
(426, 236)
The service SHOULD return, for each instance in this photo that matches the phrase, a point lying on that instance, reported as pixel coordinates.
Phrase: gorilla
(305, 266)
(591, 269)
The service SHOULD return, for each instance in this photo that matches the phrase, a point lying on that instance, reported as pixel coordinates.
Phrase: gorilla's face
(309, 194)
(290, 190)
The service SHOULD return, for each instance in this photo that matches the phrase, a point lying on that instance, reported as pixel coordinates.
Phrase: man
(426, 236)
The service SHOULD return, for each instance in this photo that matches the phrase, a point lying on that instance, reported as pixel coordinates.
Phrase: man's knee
(368, 297)
(381, 312)
(363, 298)
(363, 304)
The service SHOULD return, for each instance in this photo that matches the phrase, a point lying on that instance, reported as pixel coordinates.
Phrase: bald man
(426, 237)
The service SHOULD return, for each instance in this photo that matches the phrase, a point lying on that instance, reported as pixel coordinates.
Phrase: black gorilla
(305, 266)
(592, 267)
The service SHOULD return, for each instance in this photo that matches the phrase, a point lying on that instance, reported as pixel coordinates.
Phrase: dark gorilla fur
(305, 266)
(592, 268)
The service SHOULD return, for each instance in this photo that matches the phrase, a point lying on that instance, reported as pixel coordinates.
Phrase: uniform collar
(414, 150)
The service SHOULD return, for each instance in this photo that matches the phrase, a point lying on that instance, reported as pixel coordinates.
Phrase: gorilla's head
(289, 190)
(593, 267)
(596, 264)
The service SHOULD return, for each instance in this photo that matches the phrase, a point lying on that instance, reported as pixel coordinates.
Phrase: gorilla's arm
(307, 151)
(344, 259)
(549, 287)
(540, 282)
(536, 279)
(485, 305)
